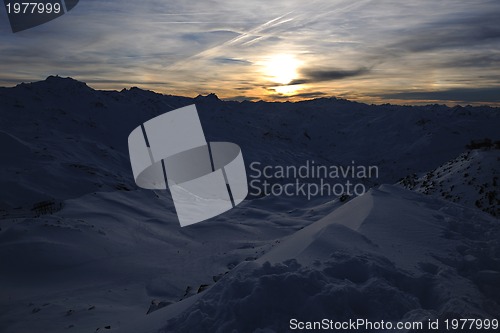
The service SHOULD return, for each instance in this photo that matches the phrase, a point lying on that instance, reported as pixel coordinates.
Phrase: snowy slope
(390, 255)
(82, 247)
(105, 257)
(472, 179)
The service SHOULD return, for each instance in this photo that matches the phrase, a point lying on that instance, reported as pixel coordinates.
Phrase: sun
(281, 68)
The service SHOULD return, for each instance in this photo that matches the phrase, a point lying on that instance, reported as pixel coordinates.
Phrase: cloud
(458, 30)
(310, 95)
(242, 98)
(208, 38)
(464, 95)
(311, 75)
(352, 49)
(231, 61)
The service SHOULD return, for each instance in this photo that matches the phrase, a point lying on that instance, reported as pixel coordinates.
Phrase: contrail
(257, 34)
(250, 33)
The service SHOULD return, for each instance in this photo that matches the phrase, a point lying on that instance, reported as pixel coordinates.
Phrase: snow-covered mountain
(82, 248)
(69, 140)
(472, 179)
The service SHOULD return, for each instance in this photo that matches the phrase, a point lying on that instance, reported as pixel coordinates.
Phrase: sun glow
(281, 68)
(286, 90)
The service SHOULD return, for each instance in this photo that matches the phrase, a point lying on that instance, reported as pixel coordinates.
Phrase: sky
(386, 51)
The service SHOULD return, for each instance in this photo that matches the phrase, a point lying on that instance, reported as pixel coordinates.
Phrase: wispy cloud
(364, 50)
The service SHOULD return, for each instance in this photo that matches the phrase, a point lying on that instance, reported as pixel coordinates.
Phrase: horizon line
(282, 99)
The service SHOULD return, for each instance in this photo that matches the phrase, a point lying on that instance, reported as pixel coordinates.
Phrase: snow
(82, 248)
(471, 179)
(398, 264)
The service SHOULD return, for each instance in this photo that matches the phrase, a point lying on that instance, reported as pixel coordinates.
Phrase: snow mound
(405, 258)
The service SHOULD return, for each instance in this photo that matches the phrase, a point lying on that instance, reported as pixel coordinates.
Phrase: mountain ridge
(54, 79)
